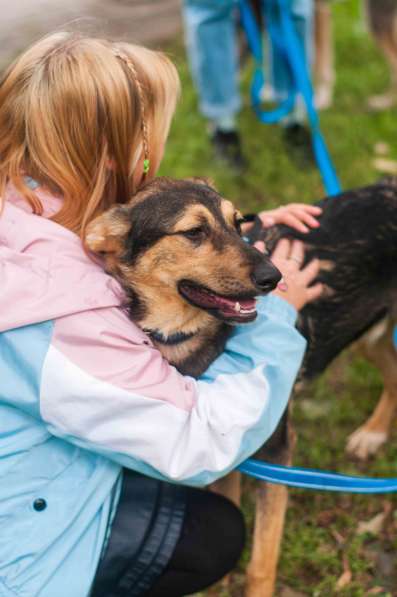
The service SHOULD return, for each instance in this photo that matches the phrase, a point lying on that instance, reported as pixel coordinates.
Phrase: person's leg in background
(296, 132)
(323, 68)
(211, 41)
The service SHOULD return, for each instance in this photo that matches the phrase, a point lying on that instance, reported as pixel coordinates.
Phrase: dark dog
(188, 274)
(357, 248)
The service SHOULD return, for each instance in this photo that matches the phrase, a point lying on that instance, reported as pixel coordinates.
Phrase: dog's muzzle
(266, 276)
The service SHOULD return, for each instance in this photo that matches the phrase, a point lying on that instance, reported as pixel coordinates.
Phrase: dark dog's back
(357, 247)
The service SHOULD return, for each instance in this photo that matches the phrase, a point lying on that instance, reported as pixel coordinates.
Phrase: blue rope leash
(314, 479)
(258, 81)
(288, 47)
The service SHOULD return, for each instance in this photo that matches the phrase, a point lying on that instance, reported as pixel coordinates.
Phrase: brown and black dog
(176, 249)
(178, 252)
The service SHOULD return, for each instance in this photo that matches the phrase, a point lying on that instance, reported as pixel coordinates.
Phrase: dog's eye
(196, 234)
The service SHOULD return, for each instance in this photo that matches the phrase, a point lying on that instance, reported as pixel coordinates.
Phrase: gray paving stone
(149, 22)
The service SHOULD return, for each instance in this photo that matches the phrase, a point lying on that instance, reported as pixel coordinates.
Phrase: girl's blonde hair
(77, 114)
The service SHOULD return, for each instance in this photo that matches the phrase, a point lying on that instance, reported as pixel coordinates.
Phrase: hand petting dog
(295, 286)
(297, 215)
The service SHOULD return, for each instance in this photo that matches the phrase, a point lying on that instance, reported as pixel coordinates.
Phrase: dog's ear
(206, 182)
(106, 233)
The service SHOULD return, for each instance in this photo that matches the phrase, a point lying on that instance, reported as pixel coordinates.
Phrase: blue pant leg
(210, 32)
(302, 14)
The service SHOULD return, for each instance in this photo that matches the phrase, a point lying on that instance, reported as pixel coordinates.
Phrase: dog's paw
(362, 443)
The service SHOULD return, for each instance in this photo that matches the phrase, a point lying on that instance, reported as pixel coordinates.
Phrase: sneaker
(227, 148)
(299, 141)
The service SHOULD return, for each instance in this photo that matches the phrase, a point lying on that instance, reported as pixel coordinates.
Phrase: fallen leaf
(339, 538)
(326, 517)
(381, 148)
(384, 165)
(387, 507)
(346, 576)
(344, 580)
(288, 592)
(373, 526)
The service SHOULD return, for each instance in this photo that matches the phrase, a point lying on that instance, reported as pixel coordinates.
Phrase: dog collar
(169, 340)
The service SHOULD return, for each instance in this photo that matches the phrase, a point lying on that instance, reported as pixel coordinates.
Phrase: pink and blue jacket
(84, 393)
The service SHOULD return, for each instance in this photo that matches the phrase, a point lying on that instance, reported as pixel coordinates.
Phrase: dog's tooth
(237, 307)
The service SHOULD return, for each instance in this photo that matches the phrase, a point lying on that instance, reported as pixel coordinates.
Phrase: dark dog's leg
(271, 506)
(324, 72)
(388, 99)
(383, 25)
(377, 346)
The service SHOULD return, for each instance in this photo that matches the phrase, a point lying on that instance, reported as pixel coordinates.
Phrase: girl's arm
(117, 396)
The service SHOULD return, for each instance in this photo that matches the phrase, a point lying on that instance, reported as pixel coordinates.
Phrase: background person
(211, 41)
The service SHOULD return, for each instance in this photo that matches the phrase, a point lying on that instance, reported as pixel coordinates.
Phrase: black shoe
(299, 141)
(227, 147)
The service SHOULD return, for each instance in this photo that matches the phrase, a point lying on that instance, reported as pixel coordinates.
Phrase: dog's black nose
(266, 276)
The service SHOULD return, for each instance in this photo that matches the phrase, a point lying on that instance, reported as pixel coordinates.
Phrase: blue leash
(287, 44)
(314, 479)
(288, 47)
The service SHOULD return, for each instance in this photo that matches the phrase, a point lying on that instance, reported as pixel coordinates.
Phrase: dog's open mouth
(238, 309)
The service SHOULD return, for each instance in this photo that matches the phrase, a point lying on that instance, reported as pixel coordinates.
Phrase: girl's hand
(297, 215)
(295, 287)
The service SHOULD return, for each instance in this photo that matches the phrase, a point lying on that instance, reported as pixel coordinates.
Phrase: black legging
(210, 545)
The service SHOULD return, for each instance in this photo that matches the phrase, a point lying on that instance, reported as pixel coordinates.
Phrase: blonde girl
(100, 438)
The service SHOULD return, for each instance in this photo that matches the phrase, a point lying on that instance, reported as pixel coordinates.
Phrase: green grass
(321, 528)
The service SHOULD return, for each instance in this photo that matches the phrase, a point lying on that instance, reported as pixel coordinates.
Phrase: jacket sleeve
(118, 397)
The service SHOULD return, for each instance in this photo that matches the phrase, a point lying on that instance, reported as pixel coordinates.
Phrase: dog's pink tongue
(227, 306)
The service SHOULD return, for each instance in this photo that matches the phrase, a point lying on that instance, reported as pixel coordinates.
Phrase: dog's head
(177, 250)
